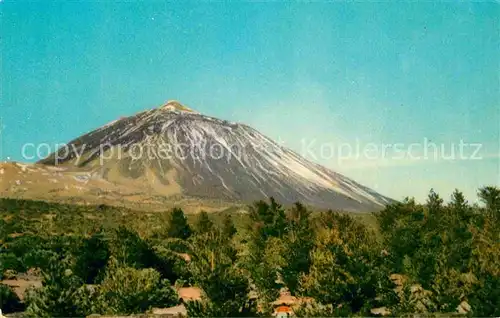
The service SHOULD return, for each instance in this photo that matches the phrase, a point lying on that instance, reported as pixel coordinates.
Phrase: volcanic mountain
(173, 151)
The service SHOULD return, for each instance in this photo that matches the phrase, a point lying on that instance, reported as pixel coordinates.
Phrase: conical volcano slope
(173, 150)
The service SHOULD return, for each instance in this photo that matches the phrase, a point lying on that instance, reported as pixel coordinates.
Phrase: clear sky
(301, 73)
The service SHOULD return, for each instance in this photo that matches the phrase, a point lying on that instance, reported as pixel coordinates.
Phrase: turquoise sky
(327, 73)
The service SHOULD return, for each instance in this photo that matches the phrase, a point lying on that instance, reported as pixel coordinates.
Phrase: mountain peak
(174, 151)
(173, 105)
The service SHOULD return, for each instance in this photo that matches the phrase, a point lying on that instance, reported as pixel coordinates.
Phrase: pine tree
(459, 215)
(299, 242)
(130, 249)
(458, 201)
(225, 286)
(92, 257)
(490, 196)
(266, 230)
(268, 220)
(228, 228)
(459, 208)
(434, 202)
(178, 226)
(203, 223)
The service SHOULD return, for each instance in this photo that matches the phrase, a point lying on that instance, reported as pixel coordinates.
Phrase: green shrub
(11, 261)
(38, 258)
(130, 249)
(62, 294)
(92, 258)
(9, 302)
(170, 264)
(126, 290)
(178, 226)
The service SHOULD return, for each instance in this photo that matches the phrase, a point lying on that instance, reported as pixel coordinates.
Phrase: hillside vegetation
(418, 258)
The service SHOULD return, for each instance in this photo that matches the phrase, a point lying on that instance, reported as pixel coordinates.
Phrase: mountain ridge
(211, 158)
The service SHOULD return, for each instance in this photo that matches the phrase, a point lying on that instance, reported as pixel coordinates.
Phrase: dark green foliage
(486, 296)
(299, 242)
(222, 283)
(267, 227)
(490, 196)
(9, 302)
(448, 250)
(226, 287)
(170, 264)
(31, 251)
(434, 202)
(419, 258)
(228, 228)
(458, 202)
(38, 258)
(123, 290)
(126, 290)
(267, 220)
(178, 226)
(9, 260)
(60, 296)
(204, 224)
(92, 257)
(227, 309)
(347, 269)
(402, 240)
(131, 250)
(322, 311)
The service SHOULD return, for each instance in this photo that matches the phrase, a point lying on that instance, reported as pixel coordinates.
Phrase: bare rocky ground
(78, 186)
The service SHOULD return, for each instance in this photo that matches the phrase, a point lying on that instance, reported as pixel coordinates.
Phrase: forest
(439, 257)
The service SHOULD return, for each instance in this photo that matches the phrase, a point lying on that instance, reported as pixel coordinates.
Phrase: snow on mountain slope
(173, 147)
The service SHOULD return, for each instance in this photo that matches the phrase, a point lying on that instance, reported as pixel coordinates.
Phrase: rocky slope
(174, 151)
